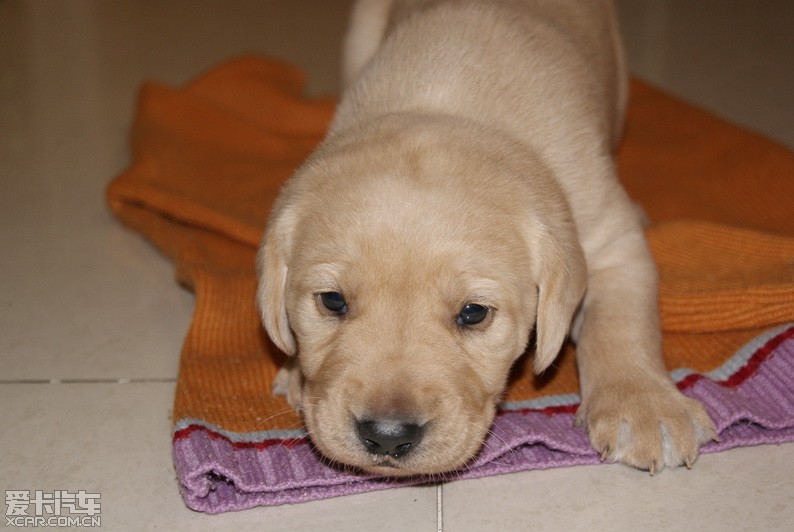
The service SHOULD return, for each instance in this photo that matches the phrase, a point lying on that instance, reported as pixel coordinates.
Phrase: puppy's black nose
(393, 438)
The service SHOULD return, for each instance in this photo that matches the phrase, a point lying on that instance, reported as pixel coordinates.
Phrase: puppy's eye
(334, 301)
(472, 314)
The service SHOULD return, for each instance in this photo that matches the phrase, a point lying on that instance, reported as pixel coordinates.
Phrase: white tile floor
(85, 303)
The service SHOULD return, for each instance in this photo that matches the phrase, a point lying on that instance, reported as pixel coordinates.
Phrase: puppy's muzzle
(388, 437)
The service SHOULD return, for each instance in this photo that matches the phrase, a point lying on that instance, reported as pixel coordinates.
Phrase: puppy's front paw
(289, 383)
(649, 425)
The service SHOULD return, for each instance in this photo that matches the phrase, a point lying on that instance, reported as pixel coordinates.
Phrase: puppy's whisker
(506, 448)
(271, 417)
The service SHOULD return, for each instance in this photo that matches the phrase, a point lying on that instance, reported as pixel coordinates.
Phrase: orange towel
(209, 159)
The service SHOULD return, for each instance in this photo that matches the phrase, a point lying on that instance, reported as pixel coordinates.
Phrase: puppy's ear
(272, 272)
(561, 275)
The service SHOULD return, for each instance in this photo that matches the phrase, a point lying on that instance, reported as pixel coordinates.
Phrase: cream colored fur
(470, 161)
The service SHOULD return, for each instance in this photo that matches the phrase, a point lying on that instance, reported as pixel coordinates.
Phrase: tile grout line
(439, 508)
(135, 380)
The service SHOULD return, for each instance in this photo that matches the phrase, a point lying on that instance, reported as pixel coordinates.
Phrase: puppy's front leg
(631, 408)
(289, 383)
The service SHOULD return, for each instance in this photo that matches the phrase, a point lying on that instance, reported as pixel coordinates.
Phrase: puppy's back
(518, 65)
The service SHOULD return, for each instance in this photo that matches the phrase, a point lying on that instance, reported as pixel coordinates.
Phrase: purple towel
(750, 398)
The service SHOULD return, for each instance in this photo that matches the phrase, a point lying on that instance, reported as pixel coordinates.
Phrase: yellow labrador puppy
(465, 193)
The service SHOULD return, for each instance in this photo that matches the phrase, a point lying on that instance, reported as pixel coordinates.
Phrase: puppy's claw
(658, 428)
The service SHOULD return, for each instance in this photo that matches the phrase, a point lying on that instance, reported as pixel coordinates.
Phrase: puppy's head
(405, 265)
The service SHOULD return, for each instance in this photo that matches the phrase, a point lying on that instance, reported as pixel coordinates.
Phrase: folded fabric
(209, 160)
